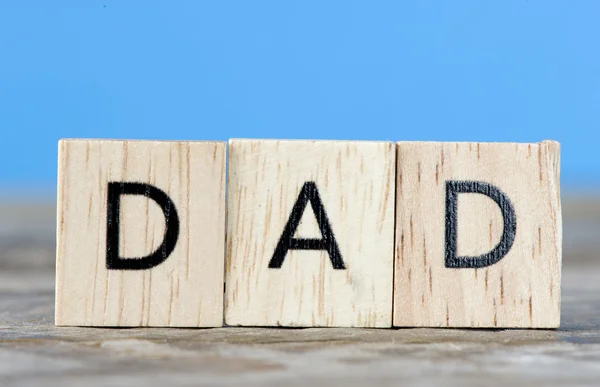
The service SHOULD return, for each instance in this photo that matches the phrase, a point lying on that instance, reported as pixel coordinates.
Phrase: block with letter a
(310, 233)
(478, 235)
(141, 233)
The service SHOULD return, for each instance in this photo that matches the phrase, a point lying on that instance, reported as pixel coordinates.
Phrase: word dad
(327, 242)
(406, 234)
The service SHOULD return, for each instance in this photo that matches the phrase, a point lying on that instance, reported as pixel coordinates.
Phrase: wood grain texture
(523, 288)
(186, 290)
(355, 181)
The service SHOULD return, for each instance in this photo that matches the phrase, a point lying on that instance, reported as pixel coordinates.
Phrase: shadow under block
(310, 233)
(478, 235)
(125, 206)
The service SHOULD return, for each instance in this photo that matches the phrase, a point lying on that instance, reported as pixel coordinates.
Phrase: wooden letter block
(478, 235)
(310, 233)
(141, 233)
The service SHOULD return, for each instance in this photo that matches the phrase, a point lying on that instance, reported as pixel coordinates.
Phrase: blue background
(380, 70)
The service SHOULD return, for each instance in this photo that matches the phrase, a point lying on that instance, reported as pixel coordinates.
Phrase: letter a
(113, 260)
(287, 241)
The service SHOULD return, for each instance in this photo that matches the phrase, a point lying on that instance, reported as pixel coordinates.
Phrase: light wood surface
(186, 290)
(355, 183)
(523, 288)
(34, 352)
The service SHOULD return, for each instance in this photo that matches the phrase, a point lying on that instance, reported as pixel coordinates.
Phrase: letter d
(453, 188)
(113, 260)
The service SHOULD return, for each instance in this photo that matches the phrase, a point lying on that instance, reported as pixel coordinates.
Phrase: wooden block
(141, 233)
(310, 233)
(478, 235)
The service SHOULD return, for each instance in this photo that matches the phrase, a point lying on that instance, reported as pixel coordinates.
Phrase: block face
(522, 288)
(342, 186)
(184, 290)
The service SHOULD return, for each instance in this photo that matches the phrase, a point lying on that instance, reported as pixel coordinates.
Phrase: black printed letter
(453, 188)
(288, 242)
(113, 260)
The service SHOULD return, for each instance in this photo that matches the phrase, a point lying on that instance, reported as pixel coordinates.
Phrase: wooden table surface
(34, 352)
